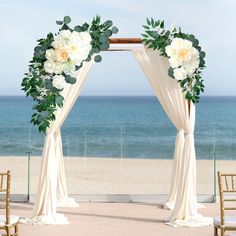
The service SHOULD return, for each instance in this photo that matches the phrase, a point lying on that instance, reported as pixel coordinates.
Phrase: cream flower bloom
(58, 81)
(181, 52)
(85, 37)
(68, 68)
(62, 54)
(50, 54)
(180, 73)
(49, 66)
(57, 67)
(65, 34)
(59, 42)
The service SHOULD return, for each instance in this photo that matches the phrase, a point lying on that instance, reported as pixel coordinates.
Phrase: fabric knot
(185, 133)
(181, 131)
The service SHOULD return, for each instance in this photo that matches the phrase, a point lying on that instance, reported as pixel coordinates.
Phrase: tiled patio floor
(113, 219)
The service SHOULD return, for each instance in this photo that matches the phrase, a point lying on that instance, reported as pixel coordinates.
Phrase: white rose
(50, 54)
(85, 37)
(80, 38)
(62, 54)
(80, 54)
(170, 51)
(191, 66)
(174, 62)
(59, 42)
(58, 81)
(49, 66)
(68, 68)
(74, 37)
(65, 34)
(180, 73)
(57, 67)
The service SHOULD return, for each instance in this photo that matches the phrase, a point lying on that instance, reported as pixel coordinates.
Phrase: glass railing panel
(204, 145)
(14, 145)
(225, 150)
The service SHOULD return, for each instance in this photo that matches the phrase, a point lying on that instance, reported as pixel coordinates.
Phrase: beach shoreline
(86, 175)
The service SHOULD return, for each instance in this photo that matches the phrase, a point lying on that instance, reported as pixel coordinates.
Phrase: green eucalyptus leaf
(85, 26)
(108, 33)
(67, 19)
(78, 67)
(191, 37)
(94, 50)
(202, 54)
(104, 46)
(44, 114)
(59, 101)
(102, 38)
(108, 23)
(58, 22)
(114, 30)
(48, 84)
(78, 28)
(69, 79)
(65, 27)
(195, 42)
(171, 72)
(88, 58)
(97, 58)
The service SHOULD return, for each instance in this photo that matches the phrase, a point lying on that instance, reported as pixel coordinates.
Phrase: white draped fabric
(52, 189)
(183, 183)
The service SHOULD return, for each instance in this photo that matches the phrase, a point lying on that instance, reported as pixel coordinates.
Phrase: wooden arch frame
(123, 41)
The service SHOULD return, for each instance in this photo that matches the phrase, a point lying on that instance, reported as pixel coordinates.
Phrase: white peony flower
(49, 66)
(181, 52)
(50, 54)
(180, 73)
(191, 66)
(58, 81)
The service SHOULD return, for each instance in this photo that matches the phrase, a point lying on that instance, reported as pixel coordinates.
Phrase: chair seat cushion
(229, 221)
(13, 220)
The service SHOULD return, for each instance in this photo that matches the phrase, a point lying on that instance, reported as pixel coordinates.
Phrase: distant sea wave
(132, 127)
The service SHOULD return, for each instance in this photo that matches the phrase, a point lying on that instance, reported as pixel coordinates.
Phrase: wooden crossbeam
(125, 41)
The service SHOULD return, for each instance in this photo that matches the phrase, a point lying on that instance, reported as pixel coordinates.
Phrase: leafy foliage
(37, 83)
(157, 38)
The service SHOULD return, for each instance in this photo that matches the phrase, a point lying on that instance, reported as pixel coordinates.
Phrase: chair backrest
(5, 179)
(227, 190)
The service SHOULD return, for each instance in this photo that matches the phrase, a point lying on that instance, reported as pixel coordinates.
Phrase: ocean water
(132, 127)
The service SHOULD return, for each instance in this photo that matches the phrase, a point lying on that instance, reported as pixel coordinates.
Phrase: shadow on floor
(115, 217)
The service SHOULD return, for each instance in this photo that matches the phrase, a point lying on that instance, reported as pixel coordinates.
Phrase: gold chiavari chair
(7, 221)
(227, 191)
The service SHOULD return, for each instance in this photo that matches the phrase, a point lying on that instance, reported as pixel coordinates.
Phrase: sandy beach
(112, 175)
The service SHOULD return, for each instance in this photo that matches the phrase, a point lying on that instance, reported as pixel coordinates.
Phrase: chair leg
(16, 230)
(8, 231)
(222, 232)
(215, 231)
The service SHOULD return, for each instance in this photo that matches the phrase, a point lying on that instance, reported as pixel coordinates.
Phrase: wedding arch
(172, 94)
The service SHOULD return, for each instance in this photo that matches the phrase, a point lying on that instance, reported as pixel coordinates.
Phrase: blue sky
(211, 21)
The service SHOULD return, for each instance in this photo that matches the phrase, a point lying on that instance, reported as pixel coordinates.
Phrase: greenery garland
(183, 52)
(55, 61)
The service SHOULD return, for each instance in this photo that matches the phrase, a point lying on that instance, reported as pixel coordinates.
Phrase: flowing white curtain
(52, 189)
(183, 182)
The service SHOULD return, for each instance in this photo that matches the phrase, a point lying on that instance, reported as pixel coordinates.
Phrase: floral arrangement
(56, 60)
(185, 56)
